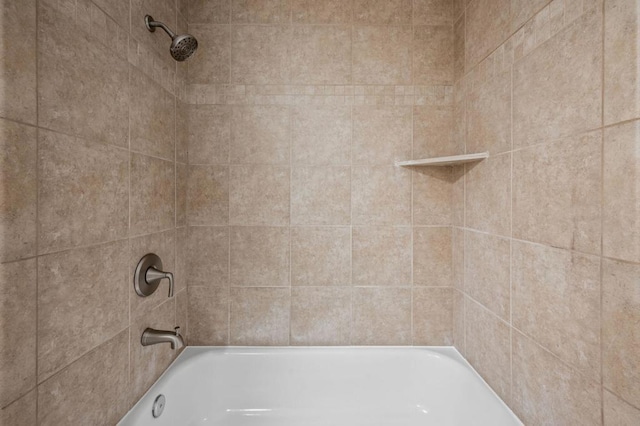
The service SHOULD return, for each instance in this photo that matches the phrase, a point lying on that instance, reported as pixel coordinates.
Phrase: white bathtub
(346, 386)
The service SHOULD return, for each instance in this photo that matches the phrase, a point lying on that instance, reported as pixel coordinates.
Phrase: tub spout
(153, 337)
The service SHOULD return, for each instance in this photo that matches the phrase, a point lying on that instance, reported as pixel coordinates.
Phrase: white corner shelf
(452, 160)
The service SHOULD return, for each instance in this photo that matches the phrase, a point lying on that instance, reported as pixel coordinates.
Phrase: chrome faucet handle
(177, 330)
(149, 274)
(155, 274)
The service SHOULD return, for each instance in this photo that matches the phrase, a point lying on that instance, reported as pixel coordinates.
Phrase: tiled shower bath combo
(406, 200)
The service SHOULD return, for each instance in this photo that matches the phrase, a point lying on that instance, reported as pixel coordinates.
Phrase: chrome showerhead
(182, 46)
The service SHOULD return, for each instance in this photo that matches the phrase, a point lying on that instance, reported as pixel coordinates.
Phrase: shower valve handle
(155, 274)
(149, 274)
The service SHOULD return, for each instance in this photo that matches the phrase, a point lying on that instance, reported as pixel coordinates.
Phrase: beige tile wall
(92, 178)
(301, 229)
(546, 248)
(262, 173)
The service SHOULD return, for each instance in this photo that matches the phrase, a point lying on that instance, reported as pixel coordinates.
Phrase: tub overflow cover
(158, 406)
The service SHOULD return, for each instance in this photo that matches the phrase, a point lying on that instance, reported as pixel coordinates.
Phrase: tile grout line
(37, 215)
(411, 180)
(602, 198)
(511, 220)
(351, 197)
(129, 251)
(291, 118)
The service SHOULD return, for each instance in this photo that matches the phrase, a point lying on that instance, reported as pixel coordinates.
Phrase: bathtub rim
(196, 351)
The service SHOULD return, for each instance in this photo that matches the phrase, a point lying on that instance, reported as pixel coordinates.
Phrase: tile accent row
(318, 95)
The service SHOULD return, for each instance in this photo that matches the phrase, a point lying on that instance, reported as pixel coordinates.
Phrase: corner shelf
(452, 160)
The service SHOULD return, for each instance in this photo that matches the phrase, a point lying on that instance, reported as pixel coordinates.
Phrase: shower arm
(152, 25)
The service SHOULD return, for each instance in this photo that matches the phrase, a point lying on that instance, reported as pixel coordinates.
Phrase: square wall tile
(152, 116)
(209, 11)
(523, 10)
(460, 92)
(183, 126)
(84, 96)
(381, 134)
(557, 193)
(487, 347)
(153, 189)
(433, 12)
(433, 196)
(459, 6)
(380, 195)
(260, 316)
(618, 412)
(432, 257)
(260, 11)
(433, 54)
(458, 322)
(382, 12)
(21, 412)
(208, 256)
(320, 256)
(83, 192)
(321, 12)
(18, 76)
(459, 31)
(621, 232)
(433, 132)
(321, 55)
(259, 195)
(320, 316)
(18, 166)
(381, 256)
(556, 301)
(211, 62)
(487, 272)
(621, 70)
(381, 316)
(458, 257)
(488, 195)
(97, 308)
(93, 390)
(488, 25)
(209, 134)
(208, 195)
(488, 110)
(432, 314)
(458, 192)
(382, 55)
(260, 54)
(208, 316)
(557, 89)
(18, 322)
(104, 16)
(260, 134)
(621, 322)
(321, 196)
(260, 256)
(182, 188)
(546, 391)
(321, 135)
(181, 257)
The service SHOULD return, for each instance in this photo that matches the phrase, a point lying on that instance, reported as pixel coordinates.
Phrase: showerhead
(182, 46)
